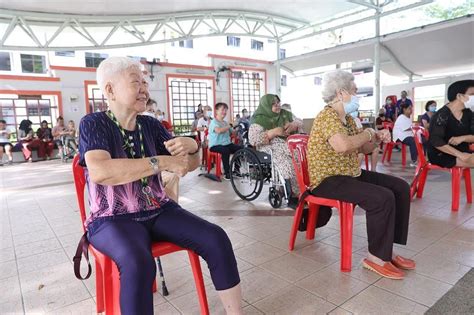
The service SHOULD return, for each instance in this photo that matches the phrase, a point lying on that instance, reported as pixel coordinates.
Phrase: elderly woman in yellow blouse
(336, 174)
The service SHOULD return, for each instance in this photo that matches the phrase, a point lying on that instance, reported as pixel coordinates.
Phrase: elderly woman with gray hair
(335, 173)
(124, 154)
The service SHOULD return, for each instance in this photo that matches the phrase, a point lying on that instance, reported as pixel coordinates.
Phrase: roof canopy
(92, 24)
(439, 48)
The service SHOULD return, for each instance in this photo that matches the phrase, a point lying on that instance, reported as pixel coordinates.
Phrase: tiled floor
(39, 229)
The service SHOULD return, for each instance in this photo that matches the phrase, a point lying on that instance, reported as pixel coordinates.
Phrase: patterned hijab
(265, 117)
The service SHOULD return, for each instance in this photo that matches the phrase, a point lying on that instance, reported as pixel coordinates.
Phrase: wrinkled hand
(290, 127)
(277, 132)
(383, 135)
(456, 140)
(174, 164)
(181, 146)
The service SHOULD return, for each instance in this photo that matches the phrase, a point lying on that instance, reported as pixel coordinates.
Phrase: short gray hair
(113, 66)
(334, 81)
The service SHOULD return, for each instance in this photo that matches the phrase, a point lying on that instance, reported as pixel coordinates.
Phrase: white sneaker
(413, 164)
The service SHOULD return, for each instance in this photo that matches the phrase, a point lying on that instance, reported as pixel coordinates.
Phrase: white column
(377, 60)
(278, 74)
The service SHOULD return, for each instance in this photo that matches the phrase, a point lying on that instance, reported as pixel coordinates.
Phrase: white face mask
(160, 117)
(470, 102)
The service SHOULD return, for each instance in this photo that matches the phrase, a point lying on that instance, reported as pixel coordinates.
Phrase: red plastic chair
(366, 157)
(297, 145)
(107, 274)
(213, 158)
(456, 173)
(387, 152)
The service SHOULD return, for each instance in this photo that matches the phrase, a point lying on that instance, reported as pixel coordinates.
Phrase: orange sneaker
(404, 263)
(387, 270)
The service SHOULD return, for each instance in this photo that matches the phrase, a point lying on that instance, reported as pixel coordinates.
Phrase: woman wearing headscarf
(269, 127)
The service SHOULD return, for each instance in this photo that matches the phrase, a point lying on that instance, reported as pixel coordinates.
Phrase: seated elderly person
(269, 127)
(452, 128)
(123, 154)
(336, 174)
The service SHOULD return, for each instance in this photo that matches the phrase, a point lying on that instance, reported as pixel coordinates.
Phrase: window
(94, 59)
(33, 64)
(65, 53)
(34, 108)
(5, 63)
(186, 95)
(97, 100)
(256, 45)
(283, 80)
(247, 88)
(233, 41)
(187, 43)
(282, 53)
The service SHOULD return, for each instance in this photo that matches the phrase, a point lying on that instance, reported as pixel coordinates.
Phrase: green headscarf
(265, 117)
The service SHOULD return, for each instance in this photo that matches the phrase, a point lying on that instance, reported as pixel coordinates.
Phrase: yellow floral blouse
(323, 161)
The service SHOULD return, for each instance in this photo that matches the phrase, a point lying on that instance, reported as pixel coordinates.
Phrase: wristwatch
(154, 164)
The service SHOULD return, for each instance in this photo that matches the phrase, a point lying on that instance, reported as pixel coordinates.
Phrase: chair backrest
(418, 132)
(298, 145)
(393, 98)
(387, 125)
(80, 183)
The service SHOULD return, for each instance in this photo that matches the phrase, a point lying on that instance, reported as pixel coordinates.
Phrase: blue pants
(410, 141)
(127, 239)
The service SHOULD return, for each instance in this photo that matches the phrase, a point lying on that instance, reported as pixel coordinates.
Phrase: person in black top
(452, 128)
(430, 108)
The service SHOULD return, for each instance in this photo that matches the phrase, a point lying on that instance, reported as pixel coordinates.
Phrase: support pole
(278, 70)
(377, 59)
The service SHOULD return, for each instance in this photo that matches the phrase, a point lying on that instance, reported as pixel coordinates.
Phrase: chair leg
(209, 161)
(218, 165)
(390, 151)
(164, 289)
(367, 162)
(199, 281)
(294, 227)
(312, 218)
(468, 184)
(99, 288)
(111, 287)
(455, 187)
(422, 182)
(404, 155)
(346, 212)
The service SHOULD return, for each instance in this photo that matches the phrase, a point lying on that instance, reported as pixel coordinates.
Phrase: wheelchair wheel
(246, 179)
(275, 198)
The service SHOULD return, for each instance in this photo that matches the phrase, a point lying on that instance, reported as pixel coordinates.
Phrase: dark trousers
(226, 151)
(127, 239)
(386, 200)
(410, 142)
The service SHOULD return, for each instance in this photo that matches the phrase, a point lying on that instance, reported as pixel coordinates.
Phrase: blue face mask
(352, 106)
(432, 109)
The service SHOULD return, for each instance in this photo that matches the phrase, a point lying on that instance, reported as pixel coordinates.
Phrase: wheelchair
(251, 170)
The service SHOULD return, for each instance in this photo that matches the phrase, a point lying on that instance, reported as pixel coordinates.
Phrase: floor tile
(291, 267)
(416, 287)
(319, 252)
(374, 300)
(332, 285)
(257, 283)
(440, 268)
(258, 253)
(462, 252)
(293, 300)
